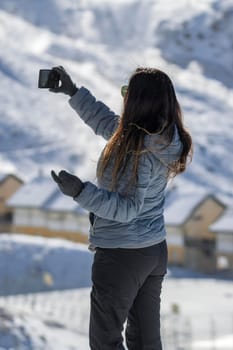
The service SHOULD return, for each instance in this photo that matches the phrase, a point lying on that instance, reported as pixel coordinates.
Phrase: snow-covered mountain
(100, 43)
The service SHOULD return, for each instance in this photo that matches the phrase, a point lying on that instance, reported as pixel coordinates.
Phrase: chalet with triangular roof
(188, 216)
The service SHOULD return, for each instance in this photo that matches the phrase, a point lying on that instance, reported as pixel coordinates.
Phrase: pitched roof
(180, 204)
(4, 176)
(32, 194)
(224, 223)
(62, 203)
(43, 193)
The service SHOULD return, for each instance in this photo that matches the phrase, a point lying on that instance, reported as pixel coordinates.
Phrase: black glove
(67, 85)
(69, 184)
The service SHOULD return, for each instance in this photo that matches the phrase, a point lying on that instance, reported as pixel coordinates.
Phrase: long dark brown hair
(150, 107)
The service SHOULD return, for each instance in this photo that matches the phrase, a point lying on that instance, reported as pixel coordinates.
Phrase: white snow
(219, 343)
(30, 264)
(100, 43)
(203, 317)
(25, 331)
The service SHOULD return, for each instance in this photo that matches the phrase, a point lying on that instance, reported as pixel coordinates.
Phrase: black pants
(127, 285)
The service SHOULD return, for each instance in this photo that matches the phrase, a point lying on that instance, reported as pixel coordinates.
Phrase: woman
(145, 146)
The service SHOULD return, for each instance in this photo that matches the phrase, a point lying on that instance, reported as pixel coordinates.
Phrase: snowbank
(32, 264)
(60, 318)
(26, 332)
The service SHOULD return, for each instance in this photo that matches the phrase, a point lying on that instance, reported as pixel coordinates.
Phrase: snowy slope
(100, 43)
(23, 331)
(39, 321)
(59, 319)
(32, 264)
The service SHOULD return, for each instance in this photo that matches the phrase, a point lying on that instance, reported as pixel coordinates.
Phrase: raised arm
(94, 113)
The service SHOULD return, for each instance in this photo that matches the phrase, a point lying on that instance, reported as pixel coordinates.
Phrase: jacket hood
(165, 153)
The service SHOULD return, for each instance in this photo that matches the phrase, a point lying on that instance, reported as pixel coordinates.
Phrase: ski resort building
(39, 208)
(199, 228)
(188, 216)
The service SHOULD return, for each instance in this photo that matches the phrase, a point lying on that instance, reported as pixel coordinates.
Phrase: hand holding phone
(52, 78)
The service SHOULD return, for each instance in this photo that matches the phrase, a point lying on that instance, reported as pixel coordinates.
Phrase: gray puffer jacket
(120, 219)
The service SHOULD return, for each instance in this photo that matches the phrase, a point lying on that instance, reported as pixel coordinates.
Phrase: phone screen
(48, 79)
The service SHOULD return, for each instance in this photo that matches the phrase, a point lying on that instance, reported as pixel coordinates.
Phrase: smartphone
(48, 78)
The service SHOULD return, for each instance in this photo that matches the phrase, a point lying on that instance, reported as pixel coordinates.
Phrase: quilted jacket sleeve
(94, 113)
(113, 205)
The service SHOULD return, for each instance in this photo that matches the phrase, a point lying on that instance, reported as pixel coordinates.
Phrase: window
(222, 262)
(197, 217)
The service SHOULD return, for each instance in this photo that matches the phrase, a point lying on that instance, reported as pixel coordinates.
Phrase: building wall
(175, 242)
(200, 255)
(200, 242)
(67, 222)
(4, 228)
(224, 243)
(224, 248)
(30, 217)
(7, 188)
(206, 214)
(51, 224)
(55, 221)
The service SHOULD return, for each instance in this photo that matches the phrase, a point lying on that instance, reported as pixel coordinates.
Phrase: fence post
(188, 334)
(213, 332)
